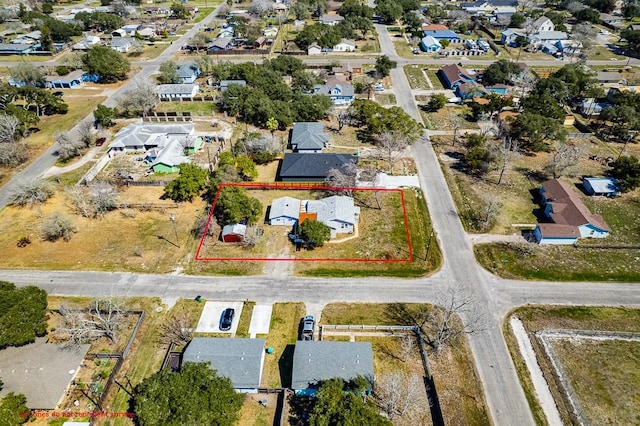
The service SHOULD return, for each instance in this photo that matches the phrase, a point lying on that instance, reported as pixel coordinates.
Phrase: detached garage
(234, 233)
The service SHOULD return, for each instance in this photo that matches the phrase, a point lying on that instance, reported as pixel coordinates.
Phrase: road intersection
(493, 297)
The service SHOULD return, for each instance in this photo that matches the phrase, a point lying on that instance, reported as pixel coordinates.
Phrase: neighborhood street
(492, 297)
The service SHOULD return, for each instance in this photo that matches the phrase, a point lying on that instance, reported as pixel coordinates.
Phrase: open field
(607, 390)
(457, 383)
(206, 108)
(443, 118)
(415, 76)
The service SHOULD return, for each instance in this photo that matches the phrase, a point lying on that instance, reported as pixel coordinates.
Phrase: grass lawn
(416, 77)
(457, 383)
(385, 99)
(283, 333)
(245, 319)
(253, 413)
(442, 119)
(402, 48)
(608, 391)
(435, 80)
(196, 108)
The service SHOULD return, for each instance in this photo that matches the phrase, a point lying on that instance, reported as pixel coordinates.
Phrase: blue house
(71, 80)
(224, 43)
(454, 75)
(443, 35)
(430, 44)
(188, 72)
(470, 90)
(509, 36)
(340, 94)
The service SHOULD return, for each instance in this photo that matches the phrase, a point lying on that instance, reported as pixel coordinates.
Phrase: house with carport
(69, 81)
(569, 217)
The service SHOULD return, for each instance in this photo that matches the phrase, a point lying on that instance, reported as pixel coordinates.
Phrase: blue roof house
(443, 35)
(430, 44)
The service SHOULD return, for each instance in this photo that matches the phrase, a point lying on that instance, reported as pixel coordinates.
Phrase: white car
(604, 32)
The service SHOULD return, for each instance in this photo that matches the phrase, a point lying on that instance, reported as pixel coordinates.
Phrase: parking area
(260, 320)
(210, 319)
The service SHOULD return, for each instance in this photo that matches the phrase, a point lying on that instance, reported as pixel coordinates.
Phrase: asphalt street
(492, 297)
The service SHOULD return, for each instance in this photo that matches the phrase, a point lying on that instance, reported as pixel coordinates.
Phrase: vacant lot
(603, 374)
(416, 77)
(458, 386)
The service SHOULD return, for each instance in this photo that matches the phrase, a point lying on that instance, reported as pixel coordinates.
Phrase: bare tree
(344, 177)
(368, 172)
(9, 126)
(563, 156)
(344, 117)
(575, 6)
(102, 318)
(12, 154)
(68, 146)
(28, 74)
(455, 125)
(407, 345)
(85, 133)
(31, 192)
(585, 33)
(80, 201)
(141, 99)
(178, 329)
(487, 127)
(223, 10)
(397, 394)
(507, 149)
(103, 199)
(200, 40)
(56, 226)
(491, 207)
(260, 7)
(389, 147)
(526, 79)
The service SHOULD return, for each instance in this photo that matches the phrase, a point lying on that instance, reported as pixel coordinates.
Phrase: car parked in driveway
(226, 319)
(101, 141)
(308, 327)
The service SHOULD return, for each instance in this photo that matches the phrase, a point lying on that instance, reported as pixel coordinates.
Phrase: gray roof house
(606, 186)
(241, 360)
(298, 167)
(284, 211)
(308, 137)
(188, 72)
(340, 94)
(331, 19)
(142, 136)
(315, 361)
(177, 91)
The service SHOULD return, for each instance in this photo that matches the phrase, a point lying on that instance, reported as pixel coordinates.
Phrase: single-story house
(340, 94)
(479, 7)
(188, 72)
(234, 233)
(571, 218)
(345, 46)
(131, 29)
(509, 36)
(86, 43)
(454, 75)
(270, 32)
(430, 44)
(284, 211)
(118, 33)
(569, 47)
(470, 90)
(308, 137)
(449, 35)
(315, 361)
(259, 43)
(17, 49)
(140, 137)
(612, 20)
(331, 19)
(240, 360)
(591, 107)
(122, 44)
(550, 37)
(610, 77)
(224, 43)
(177, 91)
(224, 84)
(299, 24)
(314, 49)
(30, 38)
(311, 167)
(146, 32)
(169, 158)
(606, 186)
(73, 79)
(543, 24)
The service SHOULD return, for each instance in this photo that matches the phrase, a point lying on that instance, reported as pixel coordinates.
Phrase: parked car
(100, 141)
(226, 319)
(308, 327)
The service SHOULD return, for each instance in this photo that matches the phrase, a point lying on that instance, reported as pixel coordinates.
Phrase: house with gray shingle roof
(315, 361)
(308, 137)
(177, 91)
(188, 72)
(284, 211)
(339, 93)
(240, 360)
(298, 167)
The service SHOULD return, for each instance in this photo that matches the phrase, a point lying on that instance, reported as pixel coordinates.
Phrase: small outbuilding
(606, 186)
(234, 233)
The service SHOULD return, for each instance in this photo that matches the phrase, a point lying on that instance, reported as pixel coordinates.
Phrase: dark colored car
(308, 327)
(101, 141)
(226, 319)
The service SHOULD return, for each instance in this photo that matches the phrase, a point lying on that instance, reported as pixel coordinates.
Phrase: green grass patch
(416, 77)
(196, 108)
(385, 99)
(435, 80)
(245, 319)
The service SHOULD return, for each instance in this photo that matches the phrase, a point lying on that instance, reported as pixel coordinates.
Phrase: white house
(270, 32)
(177, 91)
(345, 46)
(314, 49)
(331, 19)
(543, 24)
(123, 44)
(284, 211)
(86, 43)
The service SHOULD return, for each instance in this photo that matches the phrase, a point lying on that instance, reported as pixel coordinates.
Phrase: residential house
(469, 90)
(177, 91)
(146, 32)
(315, 361)
(224, 43)
(606, 186)
(454, 75)
(509, 36)
(86, 43)
(17, 49)
(570, 218)
(169, 158)
(543, 24)
(123, 44)
(548, 37)
(224, 84)
(345, 45)
(341, 94)
(118, 33)
(188, 72)
(611, 20)
(479, 7)
(430, 44)
(131, 29)
(240, 360)
(440, 35)
(308, 137)
(569, 47)
(30, 38)
(260, 43)
(311, 167)
(314, 49)
(608, 77)
(338, 212)
(234, 233)
(140, 137)
(73, 79)
(331, 19)
(299, 24)
(270, 32)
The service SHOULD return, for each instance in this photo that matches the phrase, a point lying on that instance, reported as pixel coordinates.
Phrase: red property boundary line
(296, 185)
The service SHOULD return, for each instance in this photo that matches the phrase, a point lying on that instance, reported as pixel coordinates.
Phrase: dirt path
(539, 382)
(279, 268)
(494, 238)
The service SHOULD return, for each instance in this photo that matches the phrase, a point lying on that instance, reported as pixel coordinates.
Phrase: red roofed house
(571, 218)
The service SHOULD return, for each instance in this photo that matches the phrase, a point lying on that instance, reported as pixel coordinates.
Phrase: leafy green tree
(226, 159)
(13, 408)
(633, 39)
(534, 131)
(477, 158)
(28, 74)
(314, 233)
(517, 20)
(272, 125)
(377, 119)
(631, 9)
(500, 72)
(437, 101)
(106, 63)
(246, 167)
(104, 115)
(23, 314)
(285, 65)
(179, 11)
(384, 65)
(604, 6)
(195, 395)
(235, 205)
(99, 21)
(168, 73)
(190, 183)
(587, 14)
(389, 10)
(47, 8)
(351, 8)
(543, 104)
(304, 81)
(335, 405)
(627, 171)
